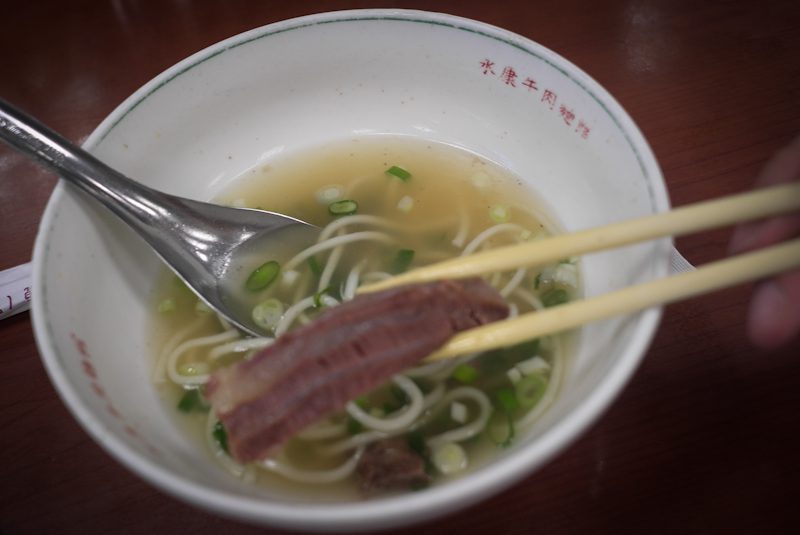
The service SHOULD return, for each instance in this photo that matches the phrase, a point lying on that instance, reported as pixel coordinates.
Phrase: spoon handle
(134, 203)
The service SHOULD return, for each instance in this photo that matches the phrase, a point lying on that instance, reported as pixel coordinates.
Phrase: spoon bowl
(208, 246)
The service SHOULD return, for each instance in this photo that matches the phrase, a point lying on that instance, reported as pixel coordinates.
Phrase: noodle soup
(385, 205)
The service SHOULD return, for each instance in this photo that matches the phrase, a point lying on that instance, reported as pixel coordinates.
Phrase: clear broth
(446, 185)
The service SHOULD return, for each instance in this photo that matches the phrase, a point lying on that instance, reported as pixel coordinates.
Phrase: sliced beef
(313, 371)
(390, 465)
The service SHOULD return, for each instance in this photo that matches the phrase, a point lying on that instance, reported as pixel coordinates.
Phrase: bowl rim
(386, 512)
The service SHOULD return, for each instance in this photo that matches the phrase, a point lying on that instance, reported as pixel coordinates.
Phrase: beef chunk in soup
(313, 371)
(390, 465)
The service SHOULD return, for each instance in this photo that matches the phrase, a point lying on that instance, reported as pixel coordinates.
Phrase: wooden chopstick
(692, 218)
(707, 278)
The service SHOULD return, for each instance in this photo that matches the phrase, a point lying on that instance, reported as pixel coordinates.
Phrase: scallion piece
(345, 207)
(220, 436)
(318, 297)
(465, 374)
(499, 213)
(534, 365)
(191, 401)
(500, 428)
(554, 297)
(449, 458)
(405, 204)
(458, 412)
(314, 266)
(180, 285)
(263, 276)
(202, 309)
(399, 172)
(329, 194)
(529, 390)
(354, 426)
(416, 442)
(402, 261)
(499, 360)
(166, 305)
(268, 314)
(506, 399)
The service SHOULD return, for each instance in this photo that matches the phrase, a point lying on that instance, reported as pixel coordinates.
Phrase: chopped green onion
(534, 365)
(566, 274)
(263, 276)
(449, 458)
(220, 436)
(289, 277)
(201, 309)
(529, 390)
(191, 401)
(318, 297)
(399, 172)
(405, 204)
(329, 194)
(537, 281)
(514, 375)
(166, 305)
(465, 374)
(506, 399)
(481, 180)
(416, 441)
(500, 360)
(500, 428)
(353, 426)
(180, 285)
(499, 213)
(314, 266)
(554, 297)
(345, 207)
(546, 278)
(268, 314)
(458, 412)
(402, 261)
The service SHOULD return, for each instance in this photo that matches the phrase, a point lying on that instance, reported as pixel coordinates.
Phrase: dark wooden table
(705, 439)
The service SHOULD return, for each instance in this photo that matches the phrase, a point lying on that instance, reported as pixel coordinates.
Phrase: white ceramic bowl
(300, 83)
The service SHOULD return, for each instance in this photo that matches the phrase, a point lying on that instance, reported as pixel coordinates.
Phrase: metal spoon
(206, 245)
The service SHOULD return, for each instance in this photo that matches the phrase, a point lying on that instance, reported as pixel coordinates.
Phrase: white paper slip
(15, 290)
(678, 264)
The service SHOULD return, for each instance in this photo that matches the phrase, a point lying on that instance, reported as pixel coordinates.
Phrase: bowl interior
(302, 83)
